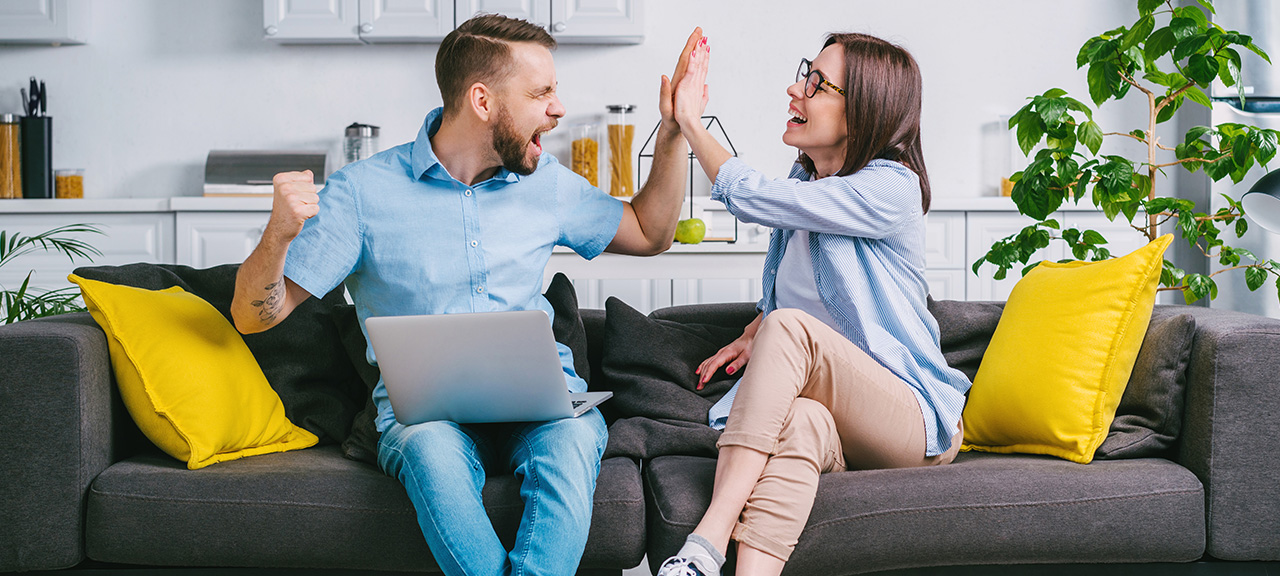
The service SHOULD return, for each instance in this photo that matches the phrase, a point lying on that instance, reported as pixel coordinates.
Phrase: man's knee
(432, 446)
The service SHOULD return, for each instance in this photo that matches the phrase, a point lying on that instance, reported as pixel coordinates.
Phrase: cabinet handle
(366, 28)
(272, 30)
(558, 27)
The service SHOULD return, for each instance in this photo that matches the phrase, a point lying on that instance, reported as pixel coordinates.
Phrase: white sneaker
(681, 566)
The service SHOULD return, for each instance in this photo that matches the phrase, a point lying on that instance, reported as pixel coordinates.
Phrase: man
(463, 220)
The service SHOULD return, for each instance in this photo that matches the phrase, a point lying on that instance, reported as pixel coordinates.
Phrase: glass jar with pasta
(586, 151)
(621, 132)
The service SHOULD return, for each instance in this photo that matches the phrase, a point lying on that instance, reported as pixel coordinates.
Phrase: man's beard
(512, 146)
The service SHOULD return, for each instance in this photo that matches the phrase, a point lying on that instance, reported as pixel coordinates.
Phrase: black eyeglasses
(813, 79)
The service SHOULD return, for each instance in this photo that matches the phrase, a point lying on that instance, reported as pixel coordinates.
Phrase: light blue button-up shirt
(867, 244)
(408, 238)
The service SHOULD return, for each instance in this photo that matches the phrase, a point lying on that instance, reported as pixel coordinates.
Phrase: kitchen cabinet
(131, 234)
(206, 239)
(373, 21)
(985, 228)
(205, 232)
(53, 22)
(570, 21)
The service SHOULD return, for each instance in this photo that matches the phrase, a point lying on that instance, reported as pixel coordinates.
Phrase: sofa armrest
(57, 414)
(1231, 431)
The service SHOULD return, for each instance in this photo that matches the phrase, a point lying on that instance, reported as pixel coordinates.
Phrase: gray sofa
(79, 481)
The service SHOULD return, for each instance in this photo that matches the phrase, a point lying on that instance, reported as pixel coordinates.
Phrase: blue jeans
(443, 466)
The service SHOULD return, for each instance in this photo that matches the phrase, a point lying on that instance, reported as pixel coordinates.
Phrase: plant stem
(1153, 141)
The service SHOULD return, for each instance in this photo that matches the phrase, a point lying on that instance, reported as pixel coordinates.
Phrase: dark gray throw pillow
(362, 444)
(648, 364)
(303, 357)
(1149, 418)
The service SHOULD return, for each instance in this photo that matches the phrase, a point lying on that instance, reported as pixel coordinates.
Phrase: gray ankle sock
(703, 553)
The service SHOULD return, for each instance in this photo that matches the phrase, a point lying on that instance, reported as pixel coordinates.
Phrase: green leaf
(1191, 45)
(1241, 148)
(1256, 50)
(1087, 51)
(1030, 130)
(1266, 143)
(1242, 226)
(1183, 28)
(1255, 278)
(1099, 88)
(1050, 224)
(1228, 66)
(1092, 237)
(1079, 106)
(1202, 69)
(1196, 132)
(1090, 134)
(1146, 7)
(1168, 111)
(1194, 14)
(1054, 93)
(1160, 43)
(1199, 97)
(1208, 5)
(1139, 33)
(1052, 110)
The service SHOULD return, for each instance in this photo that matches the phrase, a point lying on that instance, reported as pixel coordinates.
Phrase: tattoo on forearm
(269, 308)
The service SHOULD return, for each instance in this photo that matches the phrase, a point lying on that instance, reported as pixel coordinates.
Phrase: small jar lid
(8, 118)
(358, 130)
(615, 108)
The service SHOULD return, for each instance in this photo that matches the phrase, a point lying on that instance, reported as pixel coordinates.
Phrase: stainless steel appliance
(1261, 84)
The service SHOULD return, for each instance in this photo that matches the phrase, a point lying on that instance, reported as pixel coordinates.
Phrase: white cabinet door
(318, 21)
(672, 278)
(127, 238)
(944, 240)
(983, 230)
(208, 239)
(405, 20)
(946, 284)
(44, 21)
(598, 21)
(535, 11)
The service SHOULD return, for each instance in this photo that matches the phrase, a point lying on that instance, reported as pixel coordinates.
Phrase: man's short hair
(480, 51)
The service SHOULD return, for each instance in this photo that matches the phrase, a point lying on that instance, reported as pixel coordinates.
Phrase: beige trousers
(816, 403)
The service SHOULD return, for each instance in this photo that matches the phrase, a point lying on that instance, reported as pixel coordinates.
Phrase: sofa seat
(312, 509)
(981, 509)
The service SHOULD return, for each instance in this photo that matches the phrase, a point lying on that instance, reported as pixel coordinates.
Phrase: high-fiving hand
(666, 96)
(691, 91)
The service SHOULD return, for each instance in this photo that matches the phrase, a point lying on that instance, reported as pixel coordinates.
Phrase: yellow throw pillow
(186, 376)
(1060, 358)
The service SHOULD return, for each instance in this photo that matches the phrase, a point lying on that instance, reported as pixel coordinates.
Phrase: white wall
(162, 82)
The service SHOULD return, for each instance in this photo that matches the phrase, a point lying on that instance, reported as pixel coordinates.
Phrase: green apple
(690, 231)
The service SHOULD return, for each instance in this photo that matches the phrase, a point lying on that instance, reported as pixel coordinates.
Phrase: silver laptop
(473, 368)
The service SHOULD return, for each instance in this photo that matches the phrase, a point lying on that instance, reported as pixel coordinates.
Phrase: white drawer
(944, 240)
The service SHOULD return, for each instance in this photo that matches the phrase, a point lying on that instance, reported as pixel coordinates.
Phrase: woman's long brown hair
(882, 107)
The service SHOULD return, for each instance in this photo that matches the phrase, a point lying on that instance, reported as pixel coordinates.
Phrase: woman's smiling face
(817, 125)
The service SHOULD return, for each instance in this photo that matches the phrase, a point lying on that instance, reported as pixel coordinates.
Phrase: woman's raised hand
(691, 92)
(736, 354)
(666, 95)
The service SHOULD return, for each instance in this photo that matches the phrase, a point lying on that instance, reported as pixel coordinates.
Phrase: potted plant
(25, 302)
(1127, 62)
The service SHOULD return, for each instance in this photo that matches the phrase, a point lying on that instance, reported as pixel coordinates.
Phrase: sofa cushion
(302, 357)
(313, 509)
(1059, 360)
(187, 378)
(649, 364)
(981, 509)
(1150, 414)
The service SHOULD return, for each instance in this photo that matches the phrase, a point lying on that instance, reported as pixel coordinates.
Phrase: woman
(845, 368)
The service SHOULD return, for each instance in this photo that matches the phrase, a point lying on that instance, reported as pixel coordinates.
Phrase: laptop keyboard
(577, 403)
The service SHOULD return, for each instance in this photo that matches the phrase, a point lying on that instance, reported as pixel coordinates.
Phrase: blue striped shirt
(867, 244)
